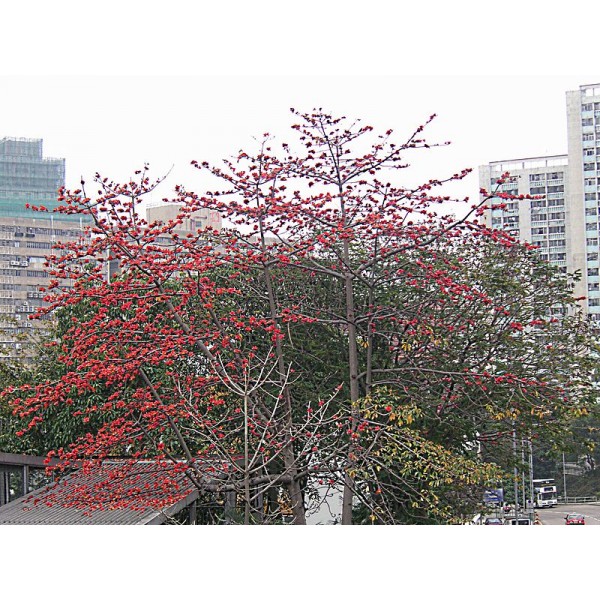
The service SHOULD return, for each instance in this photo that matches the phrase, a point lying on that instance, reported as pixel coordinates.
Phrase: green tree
(344, 335)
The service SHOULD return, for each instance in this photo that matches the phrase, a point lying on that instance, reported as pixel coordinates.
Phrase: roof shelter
(21, 474)
(114, 493)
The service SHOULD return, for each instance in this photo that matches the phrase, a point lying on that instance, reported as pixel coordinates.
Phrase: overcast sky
(109, 91)
(113, 124)
(112, 85)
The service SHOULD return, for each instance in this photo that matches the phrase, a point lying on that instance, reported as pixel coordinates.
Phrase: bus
(545, 493)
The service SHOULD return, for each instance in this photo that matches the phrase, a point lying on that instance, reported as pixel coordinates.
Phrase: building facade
(26, 237)
(583, 132)
(198, 220)
(564, 223)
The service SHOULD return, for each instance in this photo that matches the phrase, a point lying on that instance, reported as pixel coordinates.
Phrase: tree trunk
(290, 464)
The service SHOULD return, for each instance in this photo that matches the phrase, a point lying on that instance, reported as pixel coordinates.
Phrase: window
(39, 245)
(593, 287)
(587, 106)
(556, 243)
(588, 137)
(587, 122)
(592, 256)
(594, 302)
(591, 226)
(537, 191)
(592, 241)
(538, 176)
(556, 229)
(590, 212)
(556, 202)
(590, 196)
(557, 216)
(538, 231)
(538, 217)
(589, 182)
(538, 203)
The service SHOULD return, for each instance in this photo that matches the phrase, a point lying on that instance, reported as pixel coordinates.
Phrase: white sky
(111, 90)
(113, 124)
(112, 85)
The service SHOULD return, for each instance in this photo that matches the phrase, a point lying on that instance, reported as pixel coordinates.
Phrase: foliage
(343, 334)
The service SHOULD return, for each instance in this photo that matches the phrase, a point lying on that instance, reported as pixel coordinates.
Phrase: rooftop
(116, 493)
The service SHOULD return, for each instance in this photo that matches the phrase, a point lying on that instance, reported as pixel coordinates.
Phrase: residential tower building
(564, 222)
(583, 133)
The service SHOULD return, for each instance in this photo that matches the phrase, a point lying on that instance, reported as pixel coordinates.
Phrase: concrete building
(583, 132)
(545, 222)
(26, 237)
(564, 223)
(198, 220)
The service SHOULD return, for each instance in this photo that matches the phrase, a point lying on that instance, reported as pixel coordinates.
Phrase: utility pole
(564, 479)
(531, 489)
(523, 474)
(516, 473)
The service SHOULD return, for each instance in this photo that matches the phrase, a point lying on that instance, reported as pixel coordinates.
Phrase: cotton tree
(342, 334)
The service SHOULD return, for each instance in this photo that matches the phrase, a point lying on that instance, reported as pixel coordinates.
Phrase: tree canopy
(340, 333)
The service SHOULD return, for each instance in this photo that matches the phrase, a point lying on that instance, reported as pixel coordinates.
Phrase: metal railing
(577, 499)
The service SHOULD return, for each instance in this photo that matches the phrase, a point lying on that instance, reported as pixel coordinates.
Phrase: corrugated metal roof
(114, 493)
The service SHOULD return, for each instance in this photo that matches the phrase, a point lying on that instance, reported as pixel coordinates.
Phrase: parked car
(574, 519)
(492, 521)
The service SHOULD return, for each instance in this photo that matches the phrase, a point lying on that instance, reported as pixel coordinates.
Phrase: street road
(556, 516)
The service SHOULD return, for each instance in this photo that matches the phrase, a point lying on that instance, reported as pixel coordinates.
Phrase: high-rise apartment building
(541, 221)
(565, 223)
(583, 132)
(26, 237)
